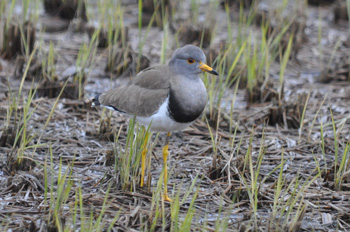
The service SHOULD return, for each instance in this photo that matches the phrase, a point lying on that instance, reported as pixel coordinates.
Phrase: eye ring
(190, 60)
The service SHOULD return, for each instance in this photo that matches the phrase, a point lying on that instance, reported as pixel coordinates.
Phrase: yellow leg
(143, 160)
(165, 158)
(143, 165)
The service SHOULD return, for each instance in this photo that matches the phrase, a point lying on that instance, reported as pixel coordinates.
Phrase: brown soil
(86, 147)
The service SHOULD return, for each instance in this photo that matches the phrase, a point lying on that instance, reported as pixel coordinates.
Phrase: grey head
(189, 60)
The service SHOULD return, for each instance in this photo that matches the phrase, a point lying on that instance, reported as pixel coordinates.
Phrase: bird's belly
(161, 121)
(162, 124)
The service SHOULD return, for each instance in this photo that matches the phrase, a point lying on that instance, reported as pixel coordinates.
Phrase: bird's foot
(166, 198)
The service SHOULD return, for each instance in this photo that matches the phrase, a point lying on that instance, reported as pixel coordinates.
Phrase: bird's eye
(190, 60)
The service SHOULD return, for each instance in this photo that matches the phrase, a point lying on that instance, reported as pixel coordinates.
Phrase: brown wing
(142, 96)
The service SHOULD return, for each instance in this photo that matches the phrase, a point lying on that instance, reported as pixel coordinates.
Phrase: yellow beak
(207, 68)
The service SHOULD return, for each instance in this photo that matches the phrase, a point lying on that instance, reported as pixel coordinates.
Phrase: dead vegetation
(66, 9)
(341, 12)
(125, 62)
(16, 38)
(198, 34)
(274, 157)
(155, 11)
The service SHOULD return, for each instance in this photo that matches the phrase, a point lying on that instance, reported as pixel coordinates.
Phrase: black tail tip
(95, 101)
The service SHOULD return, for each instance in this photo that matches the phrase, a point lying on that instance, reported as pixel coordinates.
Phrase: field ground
(264, 164)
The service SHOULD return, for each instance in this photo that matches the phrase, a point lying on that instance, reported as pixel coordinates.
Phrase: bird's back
(143, 95)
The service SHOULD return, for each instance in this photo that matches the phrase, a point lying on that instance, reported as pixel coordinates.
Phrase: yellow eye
(190, 60)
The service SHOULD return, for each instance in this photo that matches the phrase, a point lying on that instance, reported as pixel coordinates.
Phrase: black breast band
(177, 111)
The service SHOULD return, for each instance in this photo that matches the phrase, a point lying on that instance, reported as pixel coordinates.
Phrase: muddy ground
(72, 134)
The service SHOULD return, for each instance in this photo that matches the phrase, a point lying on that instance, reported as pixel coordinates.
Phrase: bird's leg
(165, 158)
(143, 159)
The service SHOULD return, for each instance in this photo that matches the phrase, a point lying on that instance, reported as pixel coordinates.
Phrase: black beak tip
(214, 72)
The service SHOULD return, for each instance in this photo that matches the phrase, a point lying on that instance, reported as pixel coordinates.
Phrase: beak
(208, 69)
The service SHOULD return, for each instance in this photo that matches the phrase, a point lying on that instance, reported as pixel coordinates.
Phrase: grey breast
(143, 95)
(187, 98)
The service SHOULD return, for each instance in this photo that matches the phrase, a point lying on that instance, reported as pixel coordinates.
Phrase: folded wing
(143, 95)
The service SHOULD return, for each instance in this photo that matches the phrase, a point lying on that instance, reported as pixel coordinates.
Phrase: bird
(164, 98)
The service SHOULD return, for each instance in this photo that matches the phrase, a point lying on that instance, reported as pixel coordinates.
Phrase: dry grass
(63, 164)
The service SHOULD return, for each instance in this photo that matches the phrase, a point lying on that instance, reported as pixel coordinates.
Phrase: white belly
(161, 122)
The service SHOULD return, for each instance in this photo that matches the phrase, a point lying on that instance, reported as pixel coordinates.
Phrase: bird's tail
(95, 101)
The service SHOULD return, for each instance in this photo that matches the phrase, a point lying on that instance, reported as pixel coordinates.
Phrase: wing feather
(143, 95)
